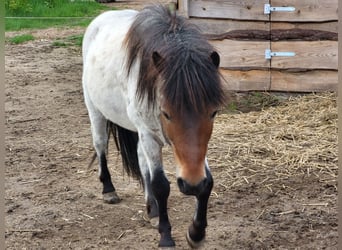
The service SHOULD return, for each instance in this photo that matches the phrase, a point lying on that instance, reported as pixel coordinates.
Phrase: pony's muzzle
(189, 189)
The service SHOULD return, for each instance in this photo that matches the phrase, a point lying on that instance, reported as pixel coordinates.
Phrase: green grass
(75, 40)
(38, 14)
(21, 38)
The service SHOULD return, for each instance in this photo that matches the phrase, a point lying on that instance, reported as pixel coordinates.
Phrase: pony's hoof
(111, 198)
(167, 244)
(154, 221)
(193, 244)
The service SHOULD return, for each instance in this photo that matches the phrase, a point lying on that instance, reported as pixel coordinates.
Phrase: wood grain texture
(237, 80)
(220, 26)
(183, 7)
(242, 54)
(264, 80)
(309, 55)
(251, 54)
(228, 9)
(310, 81)
(326, 26)
(306, 11)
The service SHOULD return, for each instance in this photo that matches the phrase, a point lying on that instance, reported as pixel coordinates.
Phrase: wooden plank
(221, 26)
(264, 80)
(309, 55)
(216, 28)
(310, 81)
(306, 10)
(326, 26)
(237, 80)
(229, 9)
(242, 54)
(183, 7)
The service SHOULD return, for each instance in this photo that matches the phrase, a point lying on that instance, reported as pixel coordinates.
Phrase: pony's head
(178, 71)
(189, 101)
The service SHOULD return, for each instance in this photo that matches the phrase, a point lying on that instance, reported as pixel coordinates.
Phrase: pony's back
(110, 21)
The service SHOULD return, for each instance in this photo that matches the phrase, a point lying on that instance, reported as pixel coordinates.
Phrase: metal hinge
(269, 54)
(268, 9)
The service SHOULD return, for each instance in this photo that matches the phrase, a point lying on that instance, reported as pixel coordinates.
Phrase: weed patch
(75, 40)
(21, 39)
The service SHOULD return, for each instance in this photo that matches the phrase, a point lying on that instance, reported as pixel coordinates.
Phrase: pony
(151, 79)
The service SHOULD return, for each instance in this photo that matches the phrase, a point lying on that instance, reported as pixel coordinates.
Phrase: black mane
(190, 79)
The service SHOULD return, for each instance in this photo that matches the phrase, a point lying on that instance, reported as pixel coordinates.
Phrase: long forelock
(193, 86)
(189, 79)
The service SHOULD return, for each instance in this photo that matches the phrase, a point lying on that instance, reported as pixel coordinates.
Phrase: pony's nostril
(181, 184)
(184, 187)
(188, 189)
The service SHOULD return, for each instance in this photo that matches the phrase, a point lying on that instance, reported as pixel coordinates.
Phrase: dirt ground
(53, 201)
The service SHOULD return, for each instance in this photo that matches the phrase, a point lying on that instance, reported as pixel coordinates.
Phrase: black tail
(127, 143)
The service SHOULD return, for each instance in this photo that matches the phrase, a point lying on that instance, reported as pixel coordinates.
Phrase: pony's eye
(166, 115)
(212, 116)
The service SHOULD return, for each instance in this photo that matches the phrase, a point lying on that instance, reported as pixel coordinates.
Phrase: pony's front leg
(151, 203)
(100, 141)
(160, 186)
(196, 231)
(161, 190)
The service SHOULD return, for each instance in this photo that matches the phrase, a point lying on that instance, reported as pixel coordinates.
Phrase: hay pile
(298, 137)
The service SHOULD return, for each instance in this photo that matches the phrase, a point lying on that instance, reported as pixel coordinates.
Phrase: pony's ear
(215, 57)
(157, 59)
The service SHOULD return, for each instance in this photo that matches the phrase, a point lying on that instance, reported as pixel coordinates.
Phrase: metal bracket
(269, 54)
(268, 9)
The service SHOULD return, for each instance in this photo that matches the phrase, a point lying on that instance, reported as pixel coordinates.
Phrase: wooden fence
(242, 32)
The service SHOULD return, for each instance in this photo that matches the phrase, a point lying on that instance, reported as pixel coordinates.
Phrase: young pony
(150, 78)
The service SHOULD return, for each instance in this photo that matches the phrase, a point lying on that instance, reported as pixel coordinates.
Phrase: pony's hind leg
(108, 192)
(100, 142)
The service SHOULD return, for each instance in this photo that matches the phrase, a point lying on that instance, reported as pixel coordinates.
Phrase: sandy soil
(53, 201)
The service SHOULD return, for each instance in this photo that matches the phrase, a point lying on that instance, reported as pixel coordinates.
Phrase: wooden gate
(249, 34)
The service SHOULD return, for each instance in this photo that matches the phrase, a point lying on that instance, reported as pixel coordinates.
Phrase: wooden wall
(241, 33)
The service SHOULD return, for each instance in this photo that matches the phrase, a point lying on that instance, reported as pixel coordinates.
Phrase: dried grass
(298, 137)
